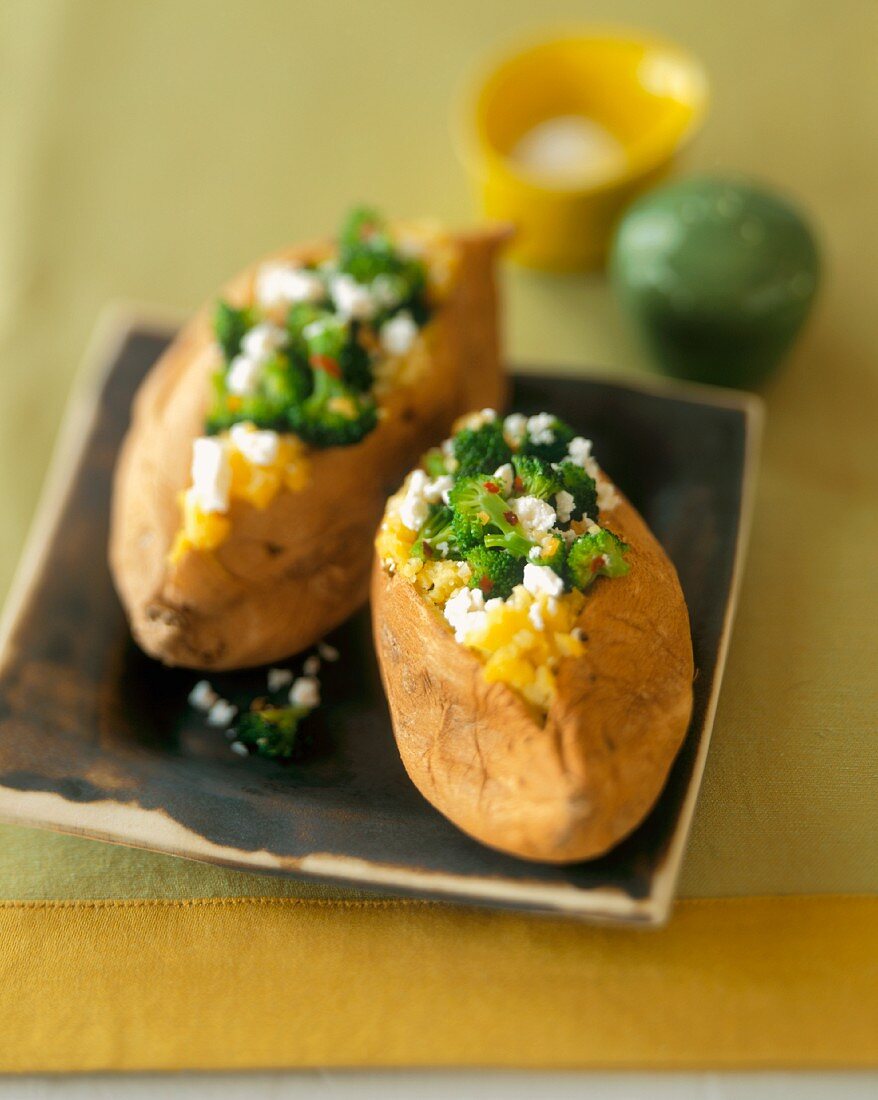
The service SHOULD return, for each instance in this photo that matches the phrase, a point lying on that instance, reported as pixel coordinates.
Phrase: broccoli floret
(332, 344)
(553, 553)
(536, 478)
(483, 518)
(581, 487)
(553, 449)
(229, 326)
(495, 572)
(274, 731)
(601, 554)
(435, 463)
(481, 450)
(356, 365)
(333, 415)
(436, 536)
(284, 382)
(367, 252)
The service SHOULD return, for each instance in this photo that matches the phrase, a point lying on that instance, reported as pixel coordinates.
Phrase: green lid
(717, 276)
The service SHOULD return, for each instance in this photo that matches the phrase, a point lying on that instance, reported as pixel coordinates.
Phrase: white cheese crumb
(327, 652)
(305, 692)
(386, 290)
(506, 476)
(279, 285)
(494, 603)
(398, 334)
(535, 553)
(279, 678)
(259, 447)
(222, 713)
(465, 612)
(564, 505)
(211, 474)
(352, 300)
(244, 374)
(419, 494)
(608, 498)
(540, 428)
(311, 666)
(263, 340)
(239, 748)
(540, 579)
(515, 429)
(535, 614)
(535, 516)
(202, 696)
(476, 420)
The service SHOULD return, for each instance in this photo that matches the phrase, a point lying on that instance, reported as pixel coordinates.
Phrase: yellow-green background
(148, 149)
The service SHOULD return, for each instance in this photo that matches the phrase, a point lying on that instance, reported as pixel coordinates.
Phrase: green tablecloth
(151, 148)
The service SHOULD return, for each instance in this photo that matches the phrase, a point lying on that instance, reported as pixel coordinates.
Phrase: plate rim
(49, 810)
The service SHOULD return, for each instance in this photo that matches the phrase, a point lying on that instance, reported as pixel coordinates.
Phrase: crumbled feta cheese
(569, 536)
(222, 713)
(305, 692)
(258, 447)
(535, 614)
(263, 340)
(494, 603)
(386, 290)
(476, 420)
(465, 612)
(564, 505)
(211, 474)
(540, 579)
(579, 451)
(515, 429)
(420, 493)
(239, 748)
(505, 475)
(244, 374)
(312, 665)
(351, 299)
(279, 285)
(608, 498)
(279, 678)
(535, 553)
(540, 428)
(327, 652)
(439, 489)
(398, 334)
(535, 516)
(202, 696)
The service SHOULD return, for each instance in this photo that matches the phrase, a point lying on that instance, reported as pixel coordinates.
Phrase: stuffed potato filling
(304, 364)
(500, 530)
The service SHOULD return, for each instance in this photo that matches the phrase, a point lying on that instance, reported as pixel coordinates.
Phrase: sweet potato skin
(289, 573)
(572, 788)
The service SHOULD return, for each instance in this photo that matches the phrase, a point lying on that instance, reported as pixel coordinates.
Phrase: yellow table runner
(150, 149)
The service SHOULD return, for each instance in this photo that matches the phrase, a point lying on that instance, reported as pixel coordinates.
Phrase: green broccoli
(599, 554)
(367, 252)
(436, 536)
(534, 477)
(553, 553)
(284, 382)
(580, 486)
(435, 463)
(230, 326)
(495, 572)
(481, 450)
(483, 518)
(553, 449)
(274, 731)
(333, 415)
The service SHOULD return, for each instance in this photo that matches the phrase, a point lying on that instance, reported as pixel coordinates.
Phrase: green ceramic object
(717, 277)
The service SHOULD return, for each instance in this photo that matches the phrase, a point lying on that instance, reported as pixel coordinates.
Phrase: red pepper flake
(510, 518)
(518, 484)
(428, 550)
(492, 486)
(598, 563)
(327, 363)
(486, 585)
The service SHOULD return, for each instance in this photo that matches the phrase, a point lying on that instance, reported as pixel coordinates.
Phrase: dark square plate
(98, 740)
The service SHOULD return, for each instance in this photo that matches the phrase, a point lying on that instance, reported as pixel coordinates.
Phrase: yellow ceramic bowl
(561, 135)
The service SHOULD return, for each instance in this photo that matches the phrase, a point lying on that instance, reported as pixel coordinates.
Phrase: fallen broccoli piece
(481, 517)
(495, 572)
(274, 731)
(481, 450)
(580, 486)
(230, 326)
(554, 451)
(333, 415)
(436, 536)
(536, 477)
(600, 554)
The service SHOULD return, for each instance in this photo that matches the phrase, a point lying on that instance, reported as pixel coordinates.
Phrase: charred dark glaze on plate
(86, 716)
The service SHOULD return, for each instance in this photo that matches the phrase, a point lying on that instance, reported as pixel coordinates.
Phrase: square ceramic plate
(97, 739)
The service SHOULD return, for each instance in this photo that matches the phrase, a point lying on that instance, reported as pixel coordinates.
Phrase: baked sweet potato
(289, 559)
(544, 724)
